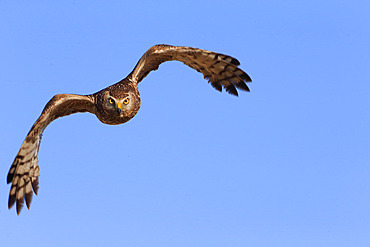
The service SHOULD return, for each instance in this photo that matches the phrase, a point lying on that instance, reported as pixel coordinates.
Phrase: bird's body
(115, 104)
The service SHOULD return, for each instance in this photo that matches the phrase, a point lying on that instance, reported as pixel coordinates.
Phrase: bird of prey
(116, 104)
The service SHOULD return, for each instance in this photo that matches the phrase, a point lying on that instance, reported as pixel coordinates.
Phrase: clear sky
(287, 164)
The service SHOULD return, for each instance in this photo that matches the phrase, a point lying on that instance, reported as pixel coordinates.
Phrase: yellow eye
(126, 101)
(111, 101)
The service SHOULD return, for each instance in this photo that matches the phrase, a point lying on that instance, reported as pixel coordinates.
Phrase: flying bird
(116, 104)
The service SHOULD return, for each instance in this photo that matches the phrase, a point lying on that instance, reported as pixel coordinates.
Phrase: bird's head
(116, 106)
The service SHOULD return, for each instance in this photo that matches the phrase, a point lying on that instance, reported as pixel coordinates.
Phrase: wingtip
(216, 86)
(10, 204)
(246, 77)
(29, 199)
(35, 185)
(241, 85)
(19, 207)
(10, 175)
(232, 90)
(235, 61)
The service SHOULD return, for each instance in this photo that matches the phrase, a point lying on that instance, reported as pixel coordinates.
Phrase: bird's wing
(24, 172)
(220, 70)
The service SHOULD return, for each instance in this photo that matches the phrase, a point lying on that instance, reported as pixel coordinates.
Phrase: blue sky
(287, 164)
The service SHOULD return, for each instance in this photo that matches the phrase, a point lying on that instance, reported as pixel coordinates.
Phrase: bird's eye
(126, 101)
(111, 101)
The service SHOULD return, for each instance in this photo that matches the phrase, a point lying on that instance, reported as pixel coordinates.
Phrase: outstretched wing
(220, 70)
(24, 172)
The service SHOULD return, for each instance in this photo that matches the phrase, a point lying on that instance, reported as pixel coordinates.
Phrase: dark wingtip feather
(29, 199)
(235, 61)
(242, 86)
(19, 205)
(11, 201)
(35, 185)
(11, 172)
(245, 77)
(229, 59)
(231, 90)
(9, 178)
(217, 86)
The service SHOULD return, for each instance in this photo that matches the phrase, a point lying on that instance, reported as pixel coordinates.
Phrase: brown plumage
(116, 104)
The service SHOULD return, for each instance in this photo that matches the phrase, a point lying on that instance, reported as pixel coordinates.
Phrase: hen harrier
(116, 104)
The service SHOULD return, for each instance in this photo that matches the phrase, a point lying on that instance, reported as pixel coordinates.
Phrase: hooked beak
(119, 108)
